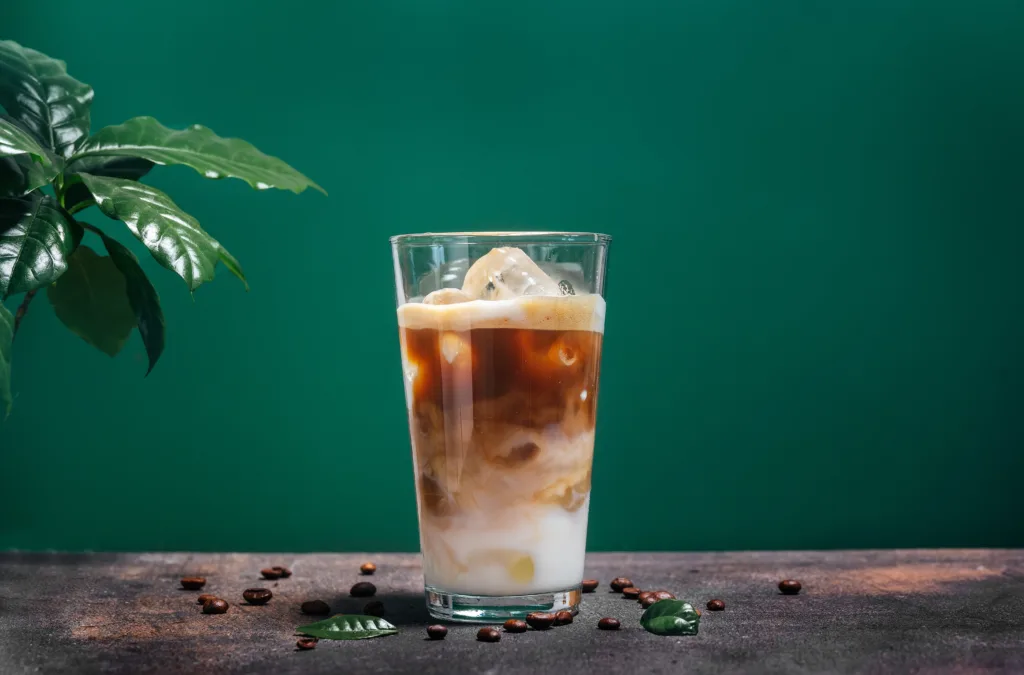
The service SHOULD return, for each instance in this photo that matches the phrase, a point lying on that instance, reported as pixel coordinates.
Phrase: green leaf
(16, 141)
(6, 340)
(197, 147)
(37, 92)
(36, 238)
(142, 297)
(20, 175)
(348, 627)
(671, 617)
(173, 237)
(75, 192)
(91, 299)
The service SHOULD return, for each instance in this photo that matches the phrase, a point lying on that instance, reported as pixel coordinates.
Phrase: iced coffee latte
(501, 378)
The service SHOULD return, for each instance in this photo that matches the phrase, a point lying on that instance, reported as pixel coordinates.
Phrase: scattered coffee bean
(257, 596)
(716, 605)
(663, 595)
(563, 618)
(282, 572)
(193, 583)
(790, 587)
(316, 608)
(437, 632)
(364, 589)
(374, 608)
(648, 600)
(515, 626)
(644, 594)
(367, 568)
(540, 620)
(270, 573)
(205, 598)
(608, 623)
(631, 593)
(488, 635)
(306, 643)
(215, 606)
(618, 583)
(590, 585)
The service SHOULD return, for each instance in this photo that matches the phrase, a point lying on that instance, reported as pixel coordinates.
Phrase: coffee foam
(534, 312)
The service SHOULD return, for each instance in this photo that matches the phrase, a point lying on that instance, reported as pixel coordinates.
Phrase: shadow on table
(401, 608)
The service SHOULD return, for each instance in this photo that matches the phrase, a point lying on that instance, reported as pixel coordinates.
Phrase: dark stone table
(948, 611)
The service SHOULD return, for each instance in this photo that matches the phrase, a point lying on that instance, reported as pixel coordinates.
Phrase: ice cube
(506, 273)
(446, 296)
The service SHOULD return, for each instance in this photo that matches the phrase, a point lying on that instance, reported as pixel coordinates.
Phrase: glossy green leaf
(142, 297)
(348, 627)
(36, 239)
(6, 340)
(78, 197)
(37, 92)
(173, 237)
(20, 175)
(91, 299)
(671, 617)
(16, 141)
(197, 147)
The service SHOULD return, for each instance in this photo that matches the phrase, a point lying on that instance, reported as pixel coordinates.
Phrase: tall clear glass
(501, 337)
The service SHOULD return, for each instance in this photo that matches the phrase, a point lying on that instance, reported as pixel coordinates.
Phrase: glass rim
(541, 236)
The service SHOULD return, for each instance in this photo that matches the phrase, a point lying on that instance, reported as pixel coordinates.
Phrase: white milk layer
(540, 553)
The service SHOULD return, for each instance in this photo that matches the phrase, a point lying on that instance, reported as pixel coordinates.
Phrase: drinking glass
(501, 336)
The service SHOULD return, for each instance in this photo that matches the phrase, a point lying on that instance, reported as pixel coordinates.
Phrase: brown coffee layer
(501, 416)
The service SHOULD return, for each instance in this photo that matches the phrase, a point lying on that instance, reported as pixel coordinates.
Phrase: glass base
(498, 608)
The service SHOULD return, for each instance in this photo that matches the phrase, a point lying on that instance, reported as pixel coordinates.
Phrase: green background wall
(815, 302)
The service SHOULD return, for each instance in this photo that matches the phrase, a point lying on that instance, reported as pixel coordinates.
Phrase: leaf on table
(130, 168)
(37, 91)
(36, 239)
(143, 298)
(197, 147)
(6, 341)
(91, 299)
(671, 617)
(348, 627)
(173, 237)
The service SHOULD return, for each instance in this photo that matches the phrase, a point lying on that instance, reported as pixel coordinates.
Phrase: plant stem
(22, 311)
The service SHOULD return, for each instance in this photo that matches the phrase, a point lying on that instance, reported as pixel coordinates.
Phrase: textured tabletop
(948, 611)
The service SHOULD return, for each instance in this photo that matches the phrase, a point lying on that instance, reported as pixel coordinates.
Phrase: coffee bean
(644, 594)
(618, 583)
(515, 626)
(631, 593)
(663, 595)
(590, 585)
(488, 635)
(282, 572)
(608, 623)
(364, 589)
(215, 606)
(270, 573)
(316, 608)
(540, 620)
(563, 618)
(306, 643)
(205, 598)
(790, 587)
(368, 568)
(437, 632)
(716, 605)
(257, 596)
(193, 583)
(648, 600)
(374, 608)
